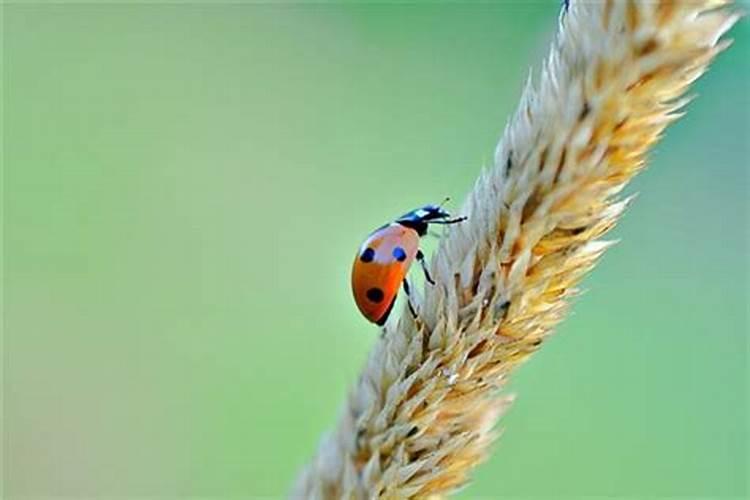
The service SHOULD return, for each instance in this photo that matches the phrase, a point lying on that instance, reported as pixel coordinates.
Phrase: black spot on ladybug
(375, 295)
(367, 255)
(399, 254)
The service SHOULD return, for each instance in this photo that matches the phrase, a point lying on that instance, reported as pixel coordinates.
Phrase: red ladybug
(383, 261)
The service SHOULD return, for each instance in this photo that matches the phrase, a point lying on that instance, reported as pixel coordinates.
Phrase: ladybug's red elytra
(383, 260)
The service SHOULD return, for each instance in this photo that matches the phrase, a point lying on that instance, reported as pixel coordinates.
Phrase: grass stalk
(424, 410)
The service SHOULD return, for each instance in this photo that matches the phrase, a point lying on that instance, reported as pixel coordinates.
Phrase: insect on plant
(383, 261)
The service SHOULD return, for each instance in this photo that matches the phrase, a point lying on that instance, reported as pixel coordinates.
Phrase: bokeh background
(184, 190)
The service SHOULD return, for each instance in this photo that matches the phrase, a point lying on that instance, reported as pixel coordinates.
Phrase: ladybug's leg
(449, 221)
(407, 289)
(420, 258)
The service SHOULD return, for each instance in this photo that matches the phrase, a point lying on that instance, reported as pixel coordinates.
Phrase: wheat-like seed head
(423, 411)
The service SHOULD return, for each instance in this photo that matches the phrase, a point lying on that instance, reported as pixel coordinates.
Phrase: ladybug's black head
(420, 218)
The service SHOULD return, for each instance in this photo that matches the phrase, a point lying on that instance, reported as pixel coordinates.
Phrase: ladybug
(383, 260)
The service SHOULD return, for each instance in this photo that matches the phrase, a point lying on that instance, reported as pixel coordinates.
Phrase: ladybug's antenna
(446, 200)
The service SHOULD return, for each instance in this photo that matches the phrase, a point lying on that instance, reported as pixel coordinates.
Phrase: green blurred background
(184, 189)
